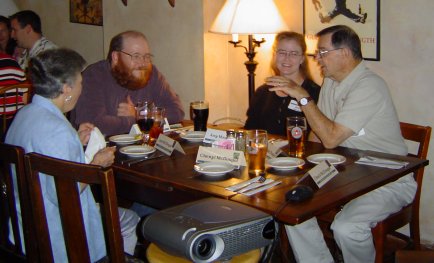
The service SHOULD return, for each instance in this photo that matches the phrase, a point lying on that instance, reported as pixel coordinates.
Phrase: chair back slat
(67, 176)
(417, 133)
(12, 158)
(12, 98)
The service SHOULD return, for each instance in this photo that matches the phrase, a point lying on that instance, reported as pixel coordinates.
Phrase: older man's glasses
(322, 53)
(280, 53)
(137, 58)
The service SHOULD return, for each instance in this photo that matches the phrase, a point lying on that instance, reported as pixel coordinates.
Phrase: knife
(255, 185)
(238, 186)
(136, 161)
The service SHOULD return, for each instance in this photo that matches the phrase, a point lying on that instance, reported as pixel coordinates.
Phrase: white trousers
(128, 221)
(352, 226)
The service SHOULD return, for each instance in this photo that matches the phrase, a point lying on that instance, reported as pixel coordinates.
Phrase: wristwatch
(304, 101)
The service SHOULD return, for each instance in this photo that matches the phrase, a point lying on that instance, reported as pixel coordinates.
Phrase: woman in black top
(268, 109)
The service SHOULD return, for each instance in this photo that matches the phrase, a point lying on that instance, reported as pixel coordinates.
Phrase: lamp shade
(249, 17)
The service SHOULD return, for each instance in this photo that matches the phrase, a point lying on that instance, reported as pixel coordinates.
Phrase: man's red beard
(124, 76)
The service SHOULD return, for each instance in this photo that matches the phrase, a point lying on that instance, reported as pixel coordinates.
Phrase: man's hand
(84, 131)
(104, 157)
(127, 109)
(284, 87)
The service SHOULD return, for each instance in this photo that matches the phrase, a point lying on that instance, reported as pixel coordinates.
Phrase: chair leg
(415, 233)
(379, 240)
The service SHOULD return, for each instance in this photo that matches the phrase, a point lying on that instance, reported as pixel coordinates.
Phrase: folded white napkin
(380, 162)
(135, 129)
(96, 143)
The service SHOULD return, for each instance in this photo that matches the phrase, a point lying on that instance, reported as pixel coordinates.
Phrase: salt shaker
(240, 141)
(230, 135)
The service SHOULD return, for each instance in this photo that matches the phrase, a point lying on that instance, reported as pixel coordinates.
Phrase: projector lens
(204, 247)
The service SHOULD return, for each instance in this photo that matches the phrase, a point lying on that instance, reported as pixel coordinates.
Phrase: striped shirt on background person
(10, 74)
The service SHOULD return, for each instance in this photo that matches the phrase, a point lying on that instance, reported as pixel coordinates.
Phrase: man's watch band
(304, 101)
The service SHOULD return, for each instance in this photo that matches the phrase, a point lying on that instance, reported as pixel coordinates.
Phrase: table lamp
(249, 17)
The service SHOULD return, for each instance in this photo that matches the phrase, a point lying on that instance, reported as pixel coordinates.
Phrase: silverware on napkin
(239, 186)
(261, 188)
(130, 162)
(381, 162)
(255, 185)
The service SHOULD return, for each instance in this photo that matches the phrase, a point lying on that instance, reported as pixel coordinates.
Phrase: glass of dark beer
(200, 114)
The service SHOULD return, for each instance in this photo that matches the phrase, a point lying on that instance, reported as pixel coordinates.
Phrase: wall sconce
(249, 17)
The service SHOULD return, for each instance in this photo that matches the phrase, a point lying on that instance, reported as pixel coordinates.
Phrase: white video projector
(210, 229)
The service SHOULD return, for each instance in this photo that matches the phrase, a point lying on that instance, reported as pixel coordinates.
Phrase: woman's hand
(104, 157)
(84, 131)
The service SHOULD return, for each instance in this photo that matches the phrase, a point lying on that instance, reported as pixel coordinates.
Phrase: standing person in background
(268, 109)
(7, 44)
(42, 127)
(27, 31)
(354, 110)
(112, 87)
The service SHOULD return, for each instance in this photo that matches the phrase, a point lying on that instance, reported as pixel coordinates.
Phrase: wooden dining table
(171, 180)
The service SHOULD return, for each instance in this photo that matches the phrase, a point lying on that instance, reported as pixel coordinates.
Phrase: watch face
(305, 101)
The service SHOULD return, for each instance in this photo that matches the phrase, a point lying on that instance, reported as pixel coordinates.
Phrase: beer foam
(200, 106)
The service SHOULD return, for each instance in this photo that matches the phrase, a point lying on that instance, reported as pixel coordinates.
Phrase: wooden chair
(12, 98)
(9, 155)
(66, 176)
(411, 256)
(409, 214)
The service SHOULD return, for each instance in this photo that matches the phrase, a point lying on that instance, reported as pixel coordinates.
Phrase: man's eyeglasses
(147, 58)
(322, 53)
(291, 54)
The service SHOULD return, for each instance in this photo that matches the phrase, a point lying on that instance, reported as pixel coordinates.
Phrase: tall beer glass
(158, 115)
(297, 133)
(200, 114)
(256, 149)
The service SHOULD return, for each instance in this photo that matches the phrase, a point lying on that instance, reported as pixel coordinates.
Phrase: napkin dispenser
(210, 229)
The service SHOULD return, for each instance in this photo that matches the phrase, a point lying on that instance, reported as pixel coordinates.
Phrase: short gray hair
(53, 68)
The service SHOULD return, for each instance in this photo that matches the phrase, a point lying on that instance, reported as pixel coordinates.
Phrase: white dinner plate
(332, 158)
(137, 150)
(193, 136)
(123, 139)
(285, 163)
(214, 168)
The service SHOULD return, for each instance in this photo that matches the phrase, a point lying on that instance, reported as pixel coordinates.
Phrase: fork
(260, 180)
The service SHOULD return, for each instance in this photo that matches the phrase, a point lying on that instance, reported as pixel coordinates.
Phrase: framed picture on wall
(362, 16)
(86, 12)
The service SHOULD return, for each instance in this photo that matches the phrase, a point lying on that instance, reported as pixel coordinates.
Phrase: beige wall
(175, 35)
(199, 64)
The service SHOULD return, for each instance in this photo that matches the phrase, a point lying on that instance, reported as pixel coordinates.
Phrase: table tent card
(135, 129)
(274, 147)
(167, 145)
(320, 174)
(213, 135)
(209, 154)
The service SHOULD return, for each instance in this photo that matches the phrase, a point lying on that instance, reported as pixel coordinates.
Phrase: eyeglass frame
(290, 54)
(147, 58)
(321, 53)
